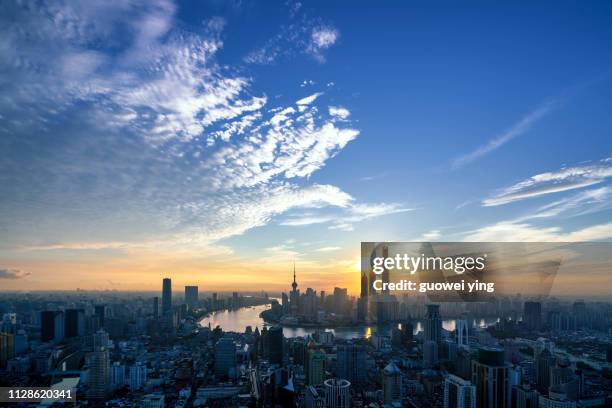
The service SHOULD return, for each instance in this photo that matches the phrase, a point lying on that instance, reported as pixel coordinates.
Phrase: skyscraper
(156, 308)
(433, 324)
(350, 363)
(316, 367)
(166, 296)
(100, 312)
(7, 348)
(459, 393)
(191, 296)
(75, 322)
(490, 376)
(225, 357)
(392, 384)
(99, 378)
(52, 326)
(337, 393)
(461, 330)
(276, 343)
(532, 315)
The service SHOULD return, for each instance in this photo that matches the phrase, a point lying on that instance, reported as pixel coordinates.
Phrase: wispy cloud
(519, 128)
(552, 182)
(322, 38)
(584, 202)
(523, 232)
(329, 249)
(154, 141)
(13, 274)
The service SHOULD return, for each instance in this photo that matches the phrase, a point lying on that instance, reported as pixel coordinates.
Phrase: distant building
(350, 363)
(117, 375)
(392, 384)
(524, 396)
(316, 367)
(337, 393)
(225, 357)
(166, 296)
(138, 376)
(7, 348)
(75, 322)
(191, 296)
(462, 332)
(152, 401)
(52, 326)
(276, 344)
(532, 315)
(459, 393)
(99, 378)
(100, 312)
(156, 308)
(313, 399)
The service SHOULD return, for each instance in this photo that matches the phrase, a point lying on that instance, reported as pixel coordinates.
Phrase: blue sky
(211, 134)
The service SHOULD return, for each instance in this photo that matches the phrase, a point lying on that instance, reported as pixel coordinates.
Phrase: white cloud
(13, 273)
(432, 235)
(339, 112)
(584, 202)
(308, 99)
(523, 232)
(552, 182)
(519, 128)
(329, 249)
(322, 38)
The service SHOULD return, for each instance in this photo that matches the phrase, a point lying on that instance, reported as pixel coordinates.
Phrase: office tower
(340, 300)
(490, 376)
(99, 367)
(155, 308)
(433, 324)
(138, 376)
(309, 303)
(544, 362)
(461, 330)
(166, 296)
(52, 326)
(191, 296)
(215, 301)
(235, 300)
(275, 343)
(463, 365)
(362, 309)
(532, 315)
(385, 275)
(523, 396)
(316, 367)
(459, 393)
(117, 375)
(337, 393)
(100, 311)
(430, 353)
(312, 398)
(285, 303)
(7, 348)
(225, 357)
(579, 313)
(392, 384)
(350, 363)
(563, 380)
(75, 322)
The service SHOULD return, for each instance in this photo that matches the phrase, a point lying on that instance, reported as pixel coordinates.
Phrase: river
(238, 320)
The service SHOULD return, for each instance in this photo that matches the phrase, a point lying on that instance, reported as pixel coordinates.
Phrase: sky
(217, 142)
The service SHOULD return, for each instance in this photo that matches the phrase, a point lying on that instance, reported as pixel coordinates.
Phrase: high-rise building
(433, 324)
(276, 345)
(337, 393)
(392, 384)
(138, 376)
(225, 357)
(490, 376)
(117, 375)
(7, 348)
(532, 315)
(156, 308)
(99, 378)
(523, 396)
(459, 393)
(100, 312)
(430, 353)
(52, 326)
(555, 401)
(316, 367)
(544, 361)
(152, 401)
(166, 296)
(350, 363)
(191, 296)
(462, 332)
(385, 274)
(75, 322)
(312, 398)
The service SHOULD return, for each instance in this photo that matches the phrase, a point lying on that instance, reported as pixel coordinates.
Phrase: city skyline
(216, 143)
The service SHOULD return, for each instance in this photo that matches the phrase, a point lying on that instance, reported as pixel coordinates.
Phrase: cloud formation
(509, 231)
(565, 179)
(519, 128)
(13, 274)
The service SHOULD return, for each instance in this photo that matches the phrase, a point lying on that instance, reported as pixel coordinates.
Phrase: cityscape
(306, 349)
